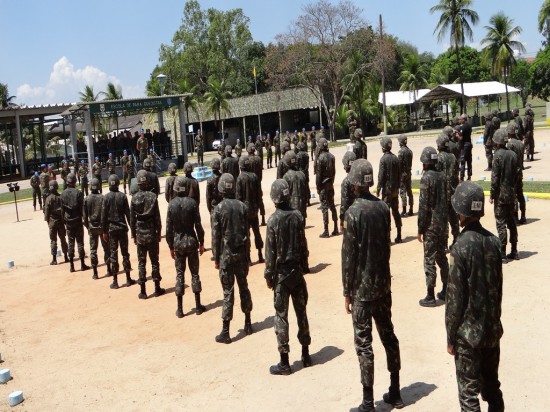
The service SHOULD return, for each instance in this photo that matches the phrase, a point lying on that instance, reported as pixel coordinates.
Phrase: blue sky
(50, 49)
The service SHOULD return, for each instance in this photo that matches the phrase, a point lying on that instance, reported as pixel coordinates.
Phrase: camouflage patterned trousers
(76, 233)
(84, 186)
(254, 224)
(36, 194)
(238, 270)
(489, 155)
(504, 215)
(57, 229)
(297, 290)
(277, 157)
(362, 315)
(406, 190)
(529, 143)
(477, 372)
(453, 221)
(519, 193)
(95, 236)
(151, 248)
(98, 177)
(393, 204)
(326, 196)
(116, 239)
(193, 260)
(434, 252)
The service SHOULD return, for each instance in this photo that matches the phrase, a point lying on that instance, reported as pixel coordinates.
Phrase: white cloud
(66, 82)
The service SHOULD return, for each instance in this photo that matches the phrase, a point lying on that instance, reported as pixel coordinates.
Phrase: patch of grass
(531, 187)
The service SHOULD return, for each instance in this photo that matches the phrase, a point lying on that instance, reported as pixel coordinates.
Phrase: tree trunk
(463, 107)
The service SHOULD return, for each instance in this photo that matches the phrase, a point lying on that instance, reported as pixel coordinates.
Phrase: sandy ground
(73, 344)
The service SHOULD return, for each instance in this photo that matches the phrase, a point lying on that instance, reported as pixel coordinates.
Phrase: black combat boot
(179, 312)
(142, 290)
(335, 231)
(129, 280)
(109, 271)
(83, 266)
(66, 257)
(263, 220)
(522, 220)
(404, 212)
(260, 256)
(411, 213)
(224, 337)
(54, 260)
(368, 400)
(513, 255)
(248, 325)
(94, 276)
(158, 290)
(503, 253)
(71, 269)
(325, 233)
(429, 300)
(443, 294)
(398, 238)
(35, 208)
(393, 397)
(114, 285)
(199, 309)
(306, 358)
(282, 368)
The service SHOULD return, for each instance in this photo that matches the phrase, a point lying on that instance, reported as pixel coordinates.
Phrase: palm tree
(456, 18)
(113, 92)
(544, 14)
(88, 94)
(413, 77)
(5, 99)
(216, 99)
(499, 47)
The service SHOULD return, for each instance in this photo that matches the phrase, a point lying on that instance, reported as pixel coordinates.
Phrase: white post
(89, 141)
(20, 154)
(183, 130)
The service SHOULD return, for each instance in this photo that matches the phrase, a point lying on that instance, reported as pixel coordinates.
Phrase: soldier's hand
(491, 200)
(216, 265)
(269, 285)
(106, 237)
(172, 253)
(160, 238)
(419, 237)
(201, 250)
(451, 349)
(347, 304)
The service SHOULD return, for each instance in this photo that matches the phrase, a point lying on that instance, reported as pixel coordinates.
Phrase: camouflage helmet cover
(442, 141)
(280, 192)
(215, 164)
(302, 147)
(244, 162)
(323, 143)
(500, 137)
(187, 167)
(172, 168)
(114, 181)
(448, 130)
(386, 143)
(428, 156)
(468, 200)
(402, 139)
(226, 184)
(146, 163)
(512, 129)
(348, 159)
(94, 184)
(71, 179)
(358, 132)
(53, 185)
(361, 173)
(180, 185)
(141, 178)
(289, 159)
(251, 148)
(228, 150)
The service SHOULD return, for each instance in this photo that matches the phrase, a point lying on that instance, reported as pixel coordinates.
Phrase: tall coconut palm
(89, 95)
(455, 18)
(113, 92)
(413, 77)
(544, 14)
(216, 99)
(5, 99)
(499, 47)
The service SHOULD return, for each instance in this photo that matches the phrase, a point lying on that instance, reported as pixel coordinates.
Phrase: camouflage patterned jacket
(277, 144)
(248, 191)
(256, 166)
(96, 169)
(405, 157)
(347, 197)
(169, 193)
(454, 148)
(53, 209)
(131, 168)
(474, 289)
(154, 184)
(447, 164)
(213, 196)
(93, 204)
(116, 212)
(488, 133)
(518, 148)
(184, 230)
(231, 165)
(302, 163)
(45, 183)
(366, 249)
(194, 189)
(83, 172)
(297, 185)
(73, 206)
(389, 176)
(433, 207)
(503, 177)
(145, 223)
(35, 182)
(111, 166)
(496, 124)
(360, 149)
(124, 163)
(286, 252)
(230, 242)
(326, 171)
(521, 130)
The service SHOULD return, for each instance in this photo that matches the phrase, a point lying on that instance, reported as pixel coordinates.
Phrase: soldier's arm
(495, 177)
(304, 249)
(198, 226)
(423, 206)
(270, 255)
(47, 210)
(127, 215)
(104, 220)
(381, 176)
(209, 196)
(239, 189)
(456, 295)
(85, 215)
(167, 190)
(216, 234)
(169, 229)
(349, 254)
(318, 177)
(158, 222)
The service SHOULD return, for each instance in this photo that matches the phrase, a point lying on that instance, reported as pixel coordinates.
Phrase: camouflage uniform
(142, 145)
(529, 127)
(313, 146)
(64, 172)
(169, 193)
(326, 171)
(213, 196)
(297, 185)
(73, 206)
(131, 168)
(389, 178)
(44, 185)
(277, 144)
(221, 150)
(53, 215)
(238, 149)
(488, 140)
(518, 148)
(124, 163)
(199, 148)
(230, 165)
(447, 164)
(260, 150)
(111, 166)
(405, 157)
(96, 172)
(257, 168)
(83, 173)
(302, 164)
(36, 193)
(360, 147)
(269, 154)
(347, 194)
(93, 206)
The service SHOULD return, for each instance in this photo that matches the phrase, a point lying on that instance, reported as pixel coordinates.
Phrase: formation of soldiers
(471, 277)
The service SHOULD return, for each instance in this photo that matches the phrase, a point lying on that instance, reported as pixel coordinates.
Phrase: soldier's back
(504, 172)
(94, 205)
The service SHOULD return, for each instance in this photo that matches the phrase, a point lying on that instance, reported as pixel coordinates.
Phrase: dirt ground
(73, 344)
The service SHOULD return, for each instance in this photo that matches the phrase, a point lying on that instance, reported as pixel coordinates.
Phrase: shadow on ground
(267, 323)
(321, 357)
(410, 395)
(318, 267)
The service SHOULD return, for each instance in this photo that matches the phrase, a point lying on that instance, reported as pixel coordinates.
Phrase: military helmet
(172, 168)
(289, 159)
(358, 133)
(53, 185)
(228, 150)
(285, 146)
(512, 128)
(114, 181)
(489, 116)
(147, 163)
(94, 184)
(226, 184)
(301, 147)
(280, 192)
(448, 130)
(71, 179)
(515, 111)
(500, 137)
(187, 167)
(348, 159)
(244, 162)
(141, 177)
(495, 113)
(442, 141)
(386, 143)
(251, 148)
(468, 200)
(402, 139)
(323, 143)
(215, 164)
(428, 156)
(180, 185)
(361, 173)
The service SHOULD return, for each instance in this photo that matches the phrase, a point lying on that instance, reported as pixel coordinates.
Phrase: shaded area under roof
(453, 91)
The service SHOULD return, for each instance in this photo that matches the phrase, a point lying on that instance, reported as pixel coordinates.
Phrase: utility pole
(383, 85)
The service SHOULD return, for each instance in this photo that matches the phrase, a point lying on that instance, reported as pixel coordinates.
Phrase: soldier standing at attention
(51, 172)
(154, 184)
(115, 217)
(185, 237)
(296, 182)
(231, 247)
(93, 206)
(96, 172)
(326, 171)
(131, 168)
(36, 193)
(277, 144)
(44, 182)
(111, 165)
(405, 157)
(213, 196)
(124, 163)
(53, 215)
(488, 139)
(360, 147)
(146, 227)
(473, 305)
(529, 126)
(519, 122)
(64, 172)
(281, 167)
(221, 149)
(302, 164)
(446, 163)
(194, 189)
(389, 177)
(464, 136)
(286, 255)
(199, 148)
(269, 153)
(433, 225)
(76, 165)
(256, 167)
(169, 193)
(238, 149)
(248, 191)
(366, 280)
(73, 206)
(141, 147)
(313, 141)
(260, 149)
(347, 193)
(230, 164)
(517, 146)
(83, 172)
(503, 193)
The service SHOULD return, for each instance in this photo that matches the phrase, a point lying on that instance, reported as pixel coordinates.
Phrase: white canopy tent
(402, 98)
(453, 91)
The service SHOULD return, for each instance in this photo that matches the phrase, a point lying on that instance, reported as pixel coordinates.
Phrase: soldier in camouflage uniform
(185, 237)
(141, 147)
(389, 177)
(230, 164)
(199, 148)
(131, 168)
(366, 280)
(269, 153)
(194, 190)
(83, 173)
(286, 255)
(231, 247)
(432, 225)
(277, 144)
(146, 227)
(76, 165)
(221, 149)
(488, 139)
(169, 193)
(473, 304)
(454, 144)
(115, 217)
(517, 146)
(93, 206)
(260, 149)
(360, 147)
(72, 201)
(313, 141)
(154, 184)
(302, 164)
(64, 172)
(213, 196)
(248, 191)
(519, 122)
(297, 185)
(529, 126)
(124, 163)
(36, 193)
(405, 157)
(111, 165)
(238, 148)
(256, 167)
(496, 122)
(96, 172)
(326, 171)
(44, 183)
(347, 196)
(281, 167)
(53, 215)
(503, 193)
(447, 164)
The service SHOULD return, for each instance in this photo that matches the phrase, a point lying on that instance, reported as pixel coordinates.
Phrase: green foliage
(456, 18)
(113, 92)
(216, 98)
(521, 79)
(499, 43)
(474, 69)
(5, 99)
(88, 94)
(540, 74)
